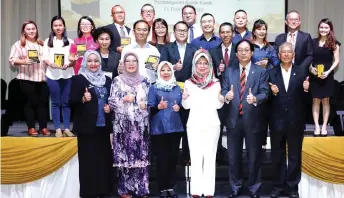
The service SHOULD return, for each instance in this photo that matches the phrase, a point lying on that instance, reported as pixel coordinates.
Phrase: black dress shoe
(254, 196)
(275, 194)
(171, 194)
(294, 194)
(233, 195)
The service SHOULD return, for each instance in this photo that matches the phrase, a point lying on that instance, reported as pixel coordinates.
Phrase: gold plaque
(320, 69)
(125, 41)
(59, 60)
(81, 49)
(33, 55)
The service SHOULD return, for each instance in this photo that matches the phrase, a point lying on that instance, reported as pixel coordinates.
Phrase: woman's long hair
(258, 24)
(23, 36)
(155, 36)
(331, 39)
(88, 19)
(52, 33)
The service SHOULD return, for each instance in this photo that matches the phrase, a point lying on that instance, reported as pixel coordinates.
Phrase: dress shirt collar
(212, 38)
(224, 47)
(118, 25)
(136, 45)
(181, 46)
(247, 67)
(295, 33)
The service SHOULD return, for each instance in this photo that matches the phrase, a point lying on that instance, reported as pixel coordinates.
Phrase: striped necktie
(242, 89)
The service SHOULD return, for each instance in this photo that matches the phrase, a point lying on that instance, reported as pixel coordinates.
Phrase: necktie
(242, 89)
(122, 33)
(191, 34)
(291, 38)
(226, 57)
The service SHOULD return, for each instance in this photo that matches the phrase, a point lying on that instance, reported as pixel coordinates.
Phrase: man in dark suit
(302, 41)
(245, 87)
(119, 30)
(289, 88)
(223, 56)
(180, 54)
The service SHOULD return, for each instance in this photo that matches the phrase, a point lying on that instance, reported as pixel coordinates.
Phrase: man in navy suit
(289, 88)
(119, 30)
(180, 54)
(223, 56)
(245, 87)
(302, 41)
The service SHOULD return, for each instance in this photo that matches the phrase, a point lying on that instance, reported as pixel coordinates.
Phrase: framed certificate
(151, 60)
(33, 55)
(81, 49)
(59, 59)
(125, 41)
(320, 69)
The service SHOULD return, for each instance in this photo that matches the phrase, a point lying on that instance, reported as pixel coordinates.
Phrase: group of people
(126, 107)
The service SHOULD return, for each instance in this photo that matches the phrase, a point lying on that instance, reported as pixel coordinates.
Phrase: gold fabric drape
(26, 159)
(323, 158)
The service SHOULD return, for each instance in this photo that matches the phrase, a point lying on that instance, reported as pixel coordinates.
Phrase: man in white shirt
(289, 88)
(118, 29)
(189, 16)
(143, 49)
(148, 15)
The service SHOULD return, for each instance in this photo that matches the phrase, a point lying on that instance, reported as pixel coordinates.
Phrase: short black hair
(244, 40)
(100, 31)
(207, 14)
(240, 10)
(180, 22)
(189, 6)
(226, 24)
(141, 21)
(147, 4)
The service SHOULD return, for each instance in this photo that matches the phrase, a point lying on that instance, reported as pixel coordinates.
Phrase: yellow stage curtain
(323, 158)
(26, 159)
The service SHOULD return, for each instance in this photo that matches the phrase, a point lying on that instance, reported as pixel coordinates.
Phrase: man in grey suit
(245, 88)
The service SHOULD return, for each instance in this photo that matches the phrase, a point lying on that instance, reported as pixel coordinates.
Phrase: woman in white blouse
(202, 96)
(59, 73)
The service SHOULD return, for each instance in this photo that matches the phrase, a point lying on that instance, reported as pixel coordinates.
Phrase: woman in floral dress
(127, 99)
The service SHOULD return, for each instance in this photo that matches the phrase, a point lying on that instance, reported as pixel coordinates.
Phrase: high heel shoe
(322, 134)
(317, 132)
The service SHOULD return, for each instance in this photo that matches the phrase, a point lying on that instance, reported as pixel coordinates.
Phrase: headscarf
(161, 83)
(131, 79)
(206, 81)
(95, 78)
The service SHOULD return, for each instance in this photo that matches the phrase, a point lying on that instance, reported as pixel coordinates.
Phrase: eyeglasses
(85, 24)
(148, 11)
(182, 31)
(188, 13)
(241, 51)
(119, 12)
(295, 19)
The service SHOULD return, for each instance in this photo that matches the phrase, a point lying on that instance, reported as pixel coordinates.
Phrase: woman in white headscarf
(92, 124)
(164, 101)
(202, 96)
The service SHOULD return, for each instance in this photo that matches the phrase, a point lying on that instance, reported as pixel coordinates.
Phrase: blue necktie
(191, 34)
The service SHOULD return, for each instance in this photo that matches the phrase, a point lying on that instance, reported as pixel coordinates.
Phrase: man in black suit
(302, 41)
(180, 54)
(245, 87)
(287, 116)
(119, 30)
(223, 56)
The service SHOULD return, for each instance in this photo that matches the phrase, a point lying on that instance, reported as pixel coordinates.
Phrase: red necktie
(226, 57)
(242, 89)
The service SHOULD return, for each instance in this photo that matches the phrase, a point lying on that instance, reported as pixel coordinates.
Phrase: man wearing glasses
(118, 29)
(180, 54)
(148, 15)
(189, 16)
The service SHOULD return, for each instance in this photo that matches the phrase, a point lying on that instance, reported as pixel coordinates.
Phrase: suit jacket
(217, 56)
(170, 53)
(113, 62)
(303, 49)
(85, 114)
(116, 41)
(257, 80)
(287, 108)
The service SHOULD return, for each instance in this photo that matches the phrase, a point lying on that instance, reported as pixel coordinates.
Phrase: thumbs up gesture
(274, 88)
(306, 84)
(107, 108)
(142, 104)
(176, 107)
(221, 98)
(185, 94)
(87, 96)
(221, 66)
(230, 94)
(179, 65)
(163, 104)
(250, 97)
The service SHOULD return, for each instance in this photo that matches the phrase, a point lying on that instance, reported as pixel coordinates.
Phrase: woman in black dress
(92, 124)
(326, 52)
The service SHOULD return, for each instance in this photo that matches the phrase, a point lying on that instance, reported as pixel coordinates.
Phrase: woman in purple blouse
(127, 99)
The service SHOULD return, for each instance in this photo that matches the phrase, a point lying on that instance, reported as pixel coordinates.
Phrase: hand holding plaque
(59, 60)
(320, 69)
(151, 62)
(33, 55)
(81, 49)
(125, 41)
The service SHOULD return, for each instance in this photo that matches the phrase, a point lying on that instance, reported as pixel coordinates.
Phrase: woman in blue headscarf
(92, 124)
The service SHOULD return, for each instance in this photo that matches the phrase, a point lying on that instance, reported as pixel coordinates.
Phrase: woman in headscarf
(202, 96)
(127, 99)
(164, 100)
(92, 124)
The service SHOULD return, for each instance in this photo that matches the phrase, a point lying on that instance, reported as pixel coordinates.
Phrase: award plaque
(181, 85)
(81, 49)
(125, 41)
(59, 59)
(320, 69)
(33, 55)
(151, 60)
